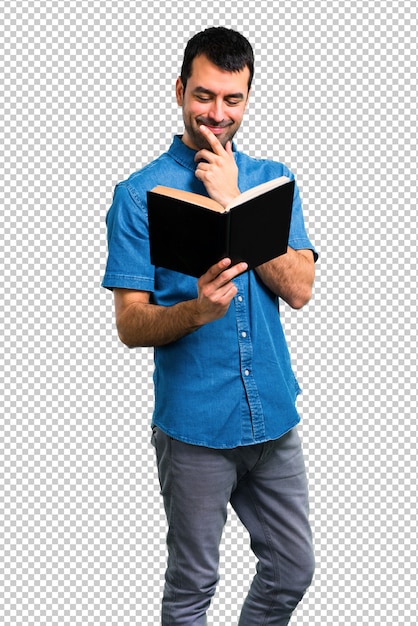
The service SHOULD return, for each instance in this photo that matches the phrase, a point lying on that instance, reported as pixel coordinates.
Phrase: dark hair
(224, 47)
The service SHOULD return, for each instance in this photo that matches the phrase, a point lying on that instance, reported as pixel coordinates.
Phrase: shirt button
(240, 298)
(243, 334)
(247, 372)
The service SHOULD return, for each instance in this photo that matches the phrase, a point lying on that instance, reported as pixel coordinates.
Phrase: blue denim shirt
(230, 383)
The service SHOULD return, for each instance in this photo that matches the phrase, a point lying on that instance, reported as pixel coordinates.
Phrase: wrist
(192, 315)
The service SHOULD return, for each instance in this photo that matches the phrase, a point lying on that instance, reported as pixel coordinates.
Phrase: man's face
(212, 97)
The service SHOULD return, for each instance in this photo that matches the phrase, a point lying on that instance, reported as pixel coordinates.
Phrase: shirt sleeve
(128, 263)
(298, 237)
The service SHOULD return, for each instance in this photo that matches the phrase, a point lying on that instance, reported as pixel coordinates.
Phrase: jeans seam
(269, 543)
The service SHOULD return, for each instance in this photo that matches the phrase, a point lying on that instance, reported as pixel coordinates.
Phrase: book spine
(228, 231)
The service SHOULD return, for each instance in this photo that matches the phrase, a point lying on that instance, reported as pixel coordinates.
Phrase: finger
(233, 271)
(213, 141)
(204, 155)
(228, 148)
(226, 293)
(224, 271)
(202, 165)
(216, 270)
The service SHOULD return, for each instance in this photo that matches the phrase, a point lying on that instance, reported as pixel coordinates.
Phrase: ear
(179, 91)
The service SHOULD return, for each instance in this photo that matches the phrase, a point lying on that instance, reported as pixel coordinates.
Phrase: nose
(217, 110)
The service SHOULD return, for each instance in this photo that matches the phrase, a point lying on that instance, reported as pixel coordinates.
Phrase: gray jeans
(266, 486)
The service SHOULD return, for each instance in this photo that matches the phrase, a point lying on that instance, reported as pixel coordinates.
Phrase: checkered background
(87, 97)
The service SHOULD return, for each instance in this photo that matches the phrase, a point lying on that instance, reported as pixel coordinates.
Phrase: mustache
(207, 121)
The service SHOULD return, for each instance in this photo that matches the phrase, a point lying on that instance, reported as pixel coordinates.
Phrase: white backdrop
(87, 97)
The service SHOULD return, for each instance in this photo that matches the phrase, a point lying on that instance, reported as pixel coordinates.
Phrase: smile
(213, 126)
(216, 130)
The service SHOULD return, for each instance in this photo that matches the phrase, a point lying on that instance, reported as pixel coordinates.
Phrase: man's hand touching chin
(217, 169)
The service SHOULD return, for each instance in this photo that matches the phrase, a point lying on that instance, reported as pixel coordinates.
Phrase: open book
(189, 232)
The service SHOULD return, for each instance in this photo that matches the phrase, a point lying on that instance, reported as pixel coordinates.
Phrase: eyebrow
(208, 92)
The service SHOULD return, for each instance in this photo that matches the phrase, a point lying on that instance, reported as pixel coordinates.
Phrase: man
(224, 419)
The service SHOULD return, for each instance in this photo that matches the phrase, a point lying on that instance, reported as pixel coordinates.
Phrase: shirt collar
(185, 155)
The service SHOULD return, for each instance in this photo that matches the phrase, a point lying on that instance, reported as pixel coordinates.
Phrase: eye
(233, 102)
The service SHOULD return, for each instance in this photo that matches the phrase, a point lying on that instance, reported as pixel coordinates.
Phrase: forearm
(290, 276)
(143, 325)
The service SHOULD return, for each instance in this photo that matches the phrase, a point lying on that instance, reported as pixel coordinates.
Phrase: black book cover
(188, 238)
